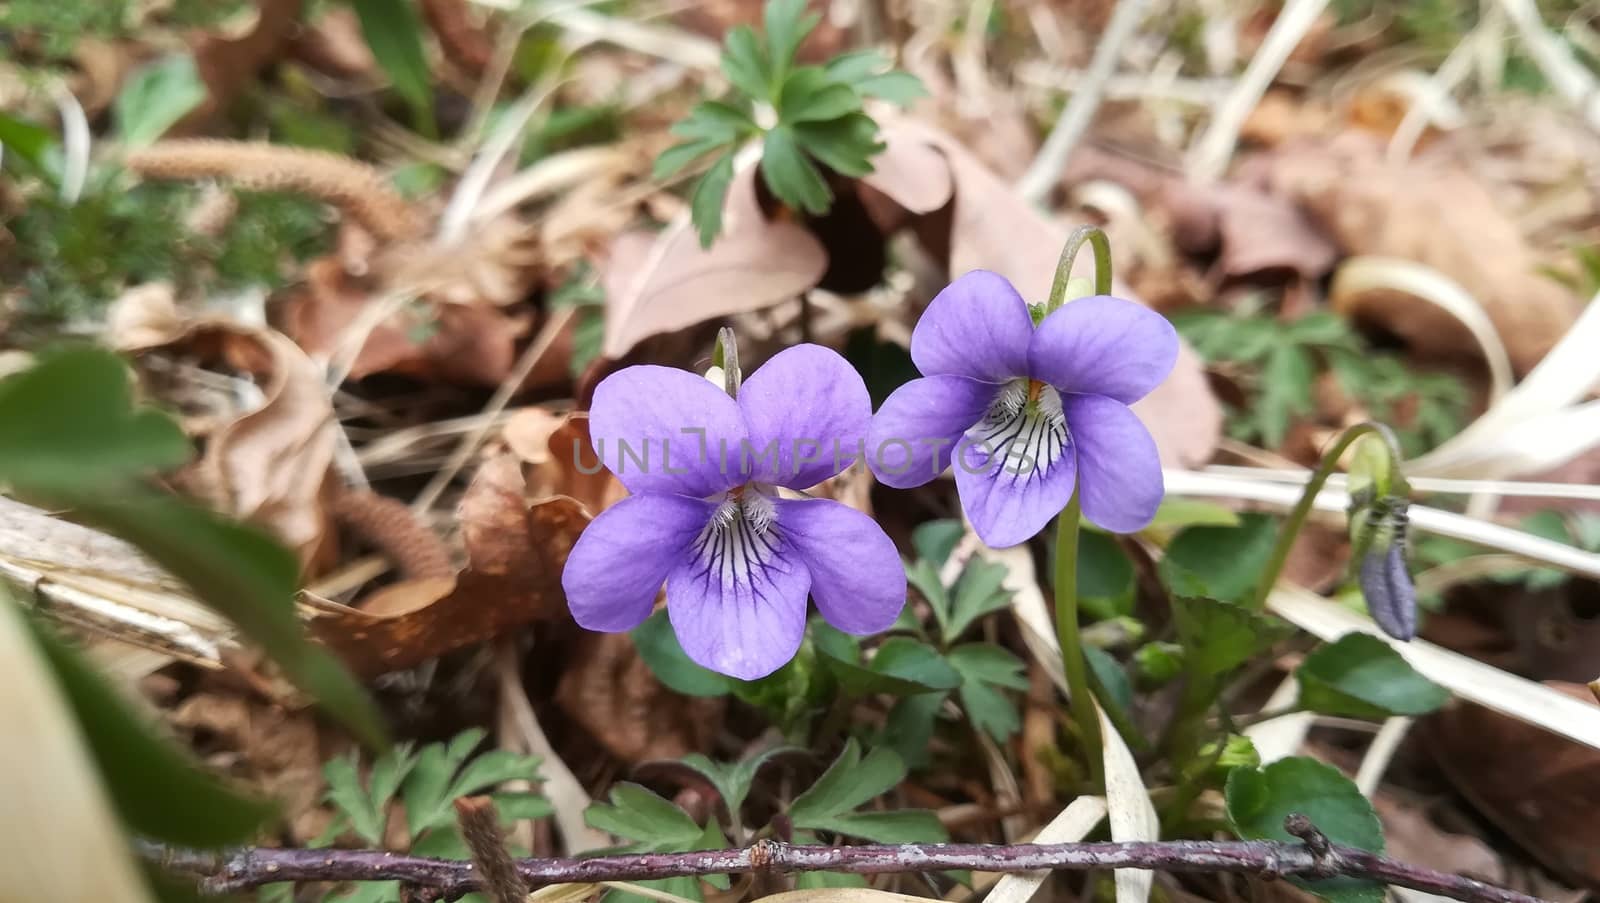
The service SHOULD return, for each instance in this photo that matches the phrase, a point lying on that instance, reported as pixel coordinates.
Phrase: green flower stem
(1073, 664)
(1102, 264)
(1302, 508)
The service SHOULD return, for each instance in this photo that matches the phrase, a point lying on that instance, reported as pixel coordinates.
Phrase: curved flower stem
(1069, 252)
(1302, 508)
(1073, 664)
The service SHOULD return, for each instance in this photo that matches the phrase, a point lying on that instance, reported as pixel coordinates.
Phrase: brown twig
(241, 870)
(480, 827)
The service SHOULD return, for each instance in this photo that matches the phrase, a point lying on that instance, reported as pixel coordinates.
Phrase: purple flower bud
(1386, 584)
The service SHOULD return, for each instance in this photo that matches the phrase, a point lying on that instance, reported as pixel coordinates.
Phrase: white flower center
(740, 539)
(1025, 429)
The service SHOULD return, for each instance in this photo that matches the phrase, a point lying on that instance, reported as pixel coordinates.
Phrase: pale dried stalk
(356, 189)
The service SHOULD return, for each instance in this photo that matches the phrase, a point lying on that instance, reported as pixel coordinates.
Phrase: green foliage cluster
(803, 115)
(1282, 361)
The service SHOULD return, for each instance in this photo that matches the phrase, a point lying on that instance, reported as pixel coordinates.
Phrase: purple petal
(616, 568)
(913, 435)
(807, 411)
(978, 326)
(1119, 471)
(660, 429)
(739, 605)
(1104, 346)
(1013, 477)
(856, 574)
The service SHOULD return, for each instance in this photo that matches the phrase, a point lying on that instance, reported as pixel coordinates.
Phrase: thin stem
(1319, 478)
(240, 870)
(1073, 663)
(1069, 252)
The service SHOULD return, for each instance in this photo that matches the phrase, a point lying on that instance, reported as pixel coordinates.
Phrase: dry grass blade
(57, 816)
(1468, 678)
(1073, 824)
(1381, 752)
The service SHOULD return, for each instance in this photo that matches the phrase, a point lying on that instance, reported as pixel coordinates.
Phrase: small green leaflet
(986, 669)
(733, 779)
(393, 31)
(901, 666)
(1219, 562)
(853, 780)
(1220, 636)
(1361, 676)
(155, 97)
(791, 176)
(705, 205)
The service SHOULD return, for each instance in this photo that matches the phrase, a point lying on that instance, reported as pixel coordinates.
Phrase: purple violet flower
(705, 515)
(1026, 413)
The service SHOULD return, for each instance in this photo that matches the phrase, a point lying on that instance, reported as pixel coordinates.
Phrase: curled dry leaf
(609, 690)
(269, 465)
(1255, 232)
(1547, 810)
(1433, 212)
(515, 553)
(670, 282)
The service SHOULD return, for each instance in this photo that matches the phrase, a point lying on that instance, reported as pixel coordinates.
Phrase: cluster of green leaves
(803, 115)
(829, 808)
(1282, 361)
(428, 781)
(71, 438)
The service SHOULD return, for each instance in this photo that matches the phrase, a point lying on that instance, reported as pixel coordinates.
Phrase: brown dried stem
(357, 189)
(448, 880)
(480, 827)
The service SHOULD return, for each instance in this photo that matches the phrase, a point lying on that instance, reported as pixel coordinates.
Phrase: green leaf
(69, 422)
(1260, 799)
(155, 97)
(733, 779)
(899, 88)
(1220, 562)
(242, 572)
(705, 205)
(1285, 392)
(902, 666)
(977, 592)
(744, 61)
(855, 65)
(676, 157)
(520, 805)
(923, 576)
(659, 648)
(638, 814)
(848, 782)
(491, 769)
(1105, 576)
(26, 141)
(787, 24)
(985, 669)
(712, 838)
(1111, 676)
(713, 120)
(846, 145)
(897, 826)
(934, 540)
(393, 32)
(909, 727)
(809, 95)
(791, 176)
(1219, 636)
(1361, 676)
(364, 814)
(144, 772)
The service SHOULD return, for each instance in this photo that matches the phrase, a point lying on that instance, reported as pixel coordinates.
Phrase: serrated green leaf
(68, 422)
(346, 792)
(1361, 676)
(985, 669)
(636, 813)
(809, 95)
(978, 592)
(659, 648)
(242, 572)
(389, 772)
(1259, 800)
(899, 88)
(787, 24)
(493, 768)
(923, 576)
(990, 664)
(791, 176)
(426, 790)
(848, 782)
(733, 779)
(1220, 636)
(909, 727)
(462, 745)
(745, 62)
(393, 32)
(710, 193)
(155, 97)
(714, 120)
(143, 772)
(1219, 562)
(934, 540)
(846, 145)
(902, 666)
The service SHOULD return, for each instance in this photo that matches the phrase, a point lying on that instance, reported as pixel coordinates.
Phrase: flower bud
(1378, 529)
